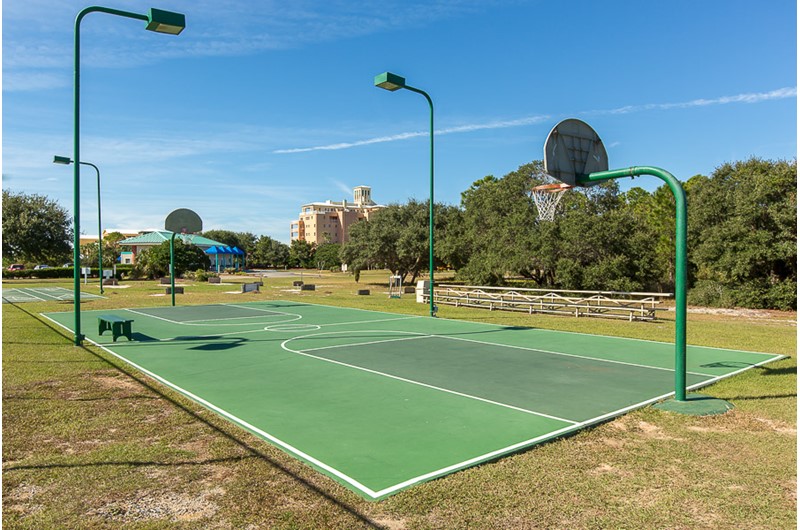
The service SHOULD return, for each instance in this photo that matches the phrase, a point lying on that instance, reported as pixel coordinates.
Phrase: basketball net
(546, 197)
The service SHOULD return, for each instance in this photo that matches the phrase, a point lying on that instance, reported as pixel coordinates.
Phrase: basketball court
(380, 402)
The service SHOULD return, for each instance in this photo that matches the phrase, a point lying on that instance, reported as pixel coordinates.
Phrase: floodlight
(168, 22)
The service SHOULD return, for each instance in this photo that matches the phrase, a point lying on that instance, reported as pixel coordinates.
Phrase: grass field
(91, 443)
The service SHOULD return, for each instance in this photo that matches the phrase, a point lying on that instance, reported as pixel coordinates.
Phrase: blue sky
(259, 107)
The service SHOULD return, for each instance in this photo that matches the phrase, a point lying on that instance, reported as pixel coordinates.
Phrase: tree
(498, 226)
(111, 250)
(245, 241)
(327, 256)
(395, 237)
(743, 241)
(301, 254)
(35, 229)
(270, 253)
(594, 243)
(356, 251)
(154, 262)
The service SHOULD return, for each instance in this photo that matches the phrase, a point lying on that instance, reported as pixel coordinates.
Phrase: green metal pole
(76, 156)
(430, 213)
(172, 266)
(99, 226)
(681, 258)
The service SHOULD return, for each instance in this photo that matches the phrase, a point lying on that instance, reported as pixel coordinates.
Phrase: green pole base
(696, 405)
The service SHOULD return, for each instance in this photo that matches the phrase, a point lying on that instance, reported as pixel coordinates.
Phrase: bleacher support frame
(605, 304)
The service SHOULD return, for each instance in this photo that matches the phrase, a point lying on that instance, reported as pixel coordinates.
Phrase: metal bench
(117, 325)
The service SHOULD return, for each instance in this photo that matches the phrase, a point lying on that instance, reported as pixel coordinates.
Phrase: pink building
(329, 221)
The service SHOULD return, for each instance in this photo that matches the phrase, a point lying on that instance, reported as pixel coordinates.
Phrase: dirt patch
(162, 505)
(784, 317)
(778, 426)
(20, 499)
(116, 382)
(654, 432)
(613, 442)
(390, 524)
(619, 424)
(604, 469)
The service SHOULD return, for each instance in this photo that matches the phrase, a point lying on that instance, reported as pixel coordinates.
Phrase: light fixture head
(62, 160)
(168, 22)
(390, 81)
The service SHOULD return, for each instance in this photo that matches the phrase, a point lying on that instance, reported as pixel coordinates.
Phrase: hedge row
(60, 272)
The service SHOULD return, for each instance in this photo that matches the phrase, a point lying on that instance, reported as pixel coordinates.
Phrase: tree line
(742, 236)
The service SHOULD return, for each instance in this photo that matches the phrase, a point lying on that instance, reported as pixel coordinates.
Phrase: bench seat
(119, 326)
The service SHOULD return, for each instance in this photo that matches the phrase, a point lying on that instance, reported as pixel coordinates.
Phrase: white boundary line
(547, 330)
(420, 336)
(554, 434)
(574, 355)
(66, 294)
(20, 298)
(26, 291)
(403, 379)
(608, 336)
(420, 478)
(353, 482)
(195, 322)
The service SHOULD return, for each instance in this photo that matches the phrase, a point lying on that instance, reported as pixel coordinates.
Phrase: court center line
(573, 355)
(366, 343)
(368, 321)
(426, 385)
(255, 308)
(152, 316)
(236, 318)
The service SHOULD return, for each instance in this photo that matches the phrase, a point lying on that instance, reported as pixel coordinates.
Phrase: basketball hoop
(547, 197)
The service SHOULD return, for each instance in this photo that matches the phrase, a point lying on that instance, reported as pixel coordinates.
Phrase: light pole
(391, 82)
(67, 161)
(158, 21)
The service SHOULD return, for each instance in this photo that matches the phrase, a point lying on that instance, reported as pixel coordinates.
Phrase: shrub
(201, 275)
(709, 293)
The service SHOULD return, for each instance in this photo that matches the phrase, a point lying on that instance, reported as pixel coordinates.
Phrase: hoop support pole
(681, 258)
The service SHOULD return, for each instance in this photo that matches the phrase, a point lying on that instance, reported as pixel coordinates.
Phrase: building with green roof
(157, 237)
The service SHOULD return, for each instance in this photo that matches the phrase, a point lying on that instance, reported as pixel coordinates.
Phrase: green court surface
(16, 295)
(379, 401)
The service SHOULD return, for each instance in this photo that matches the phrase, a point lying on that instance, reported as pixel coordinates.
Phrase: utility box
(423, 288)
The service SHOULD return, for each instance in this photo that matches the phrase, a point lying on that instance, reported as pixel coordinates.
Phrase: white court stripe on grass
(28, 291)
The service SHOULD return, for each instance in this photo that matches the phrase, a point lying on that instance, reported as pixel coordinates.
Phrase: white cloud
(344, 188)
(405, 136)
(23, 81)
(752, 97)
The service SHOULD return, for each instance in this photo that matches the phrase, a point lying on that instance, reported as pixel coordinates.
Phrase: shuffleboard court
(18, 295)
(380, 402)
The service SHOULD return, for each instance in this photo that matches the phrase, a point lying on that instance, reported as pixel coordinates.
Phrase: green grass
(91, 443)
